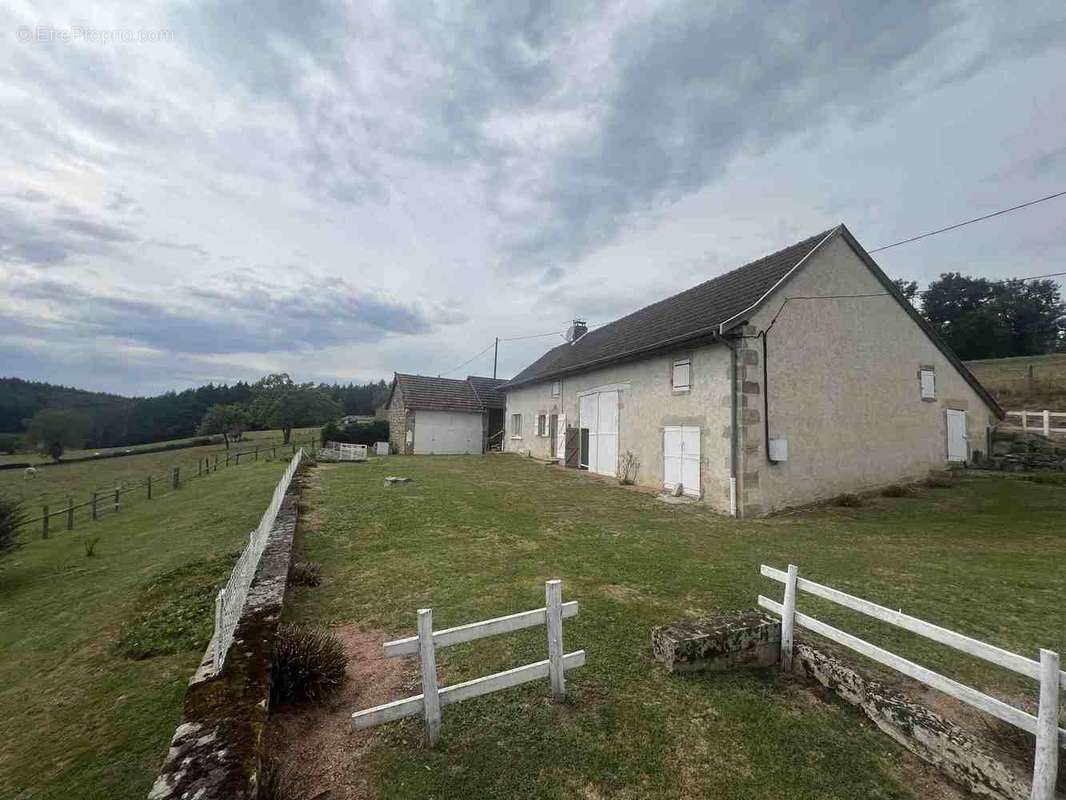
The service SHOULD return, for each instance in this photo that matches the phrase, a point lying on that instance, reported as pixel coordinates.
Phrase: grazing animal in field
(31, 472)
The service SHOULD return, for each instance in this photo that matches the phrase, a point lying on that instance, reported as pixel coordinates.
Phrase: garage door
(598, 414)
(444, 432)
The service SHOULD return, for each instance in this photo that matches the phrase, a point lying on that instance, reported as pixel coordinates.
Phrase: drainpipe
(766, 399)
(734, 503)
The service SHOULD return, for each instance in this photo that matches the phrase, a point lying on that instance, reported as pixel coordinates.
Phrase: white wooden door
(560, 439)
(958, 450)
(607, 434)
(681, 459)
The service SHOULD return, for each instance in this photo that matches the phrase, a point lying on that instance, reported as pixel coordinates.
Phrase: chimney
(577, 330)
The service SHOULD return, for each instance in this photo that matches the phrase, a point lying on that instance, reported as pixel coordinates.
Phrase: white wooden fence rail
(343, 451)
(427, 642)
(1040, 421)
(230, 600)
(1049, 737)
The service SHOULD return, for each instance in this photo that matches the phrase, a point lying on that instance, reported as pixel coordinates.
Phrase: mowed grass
(55, 485)
(1007, 379)
(91, 681)
(476, 537)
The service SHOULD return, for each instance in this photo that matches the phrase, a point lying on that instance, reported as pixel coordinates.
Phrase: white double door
(598, 413)
(681, 459)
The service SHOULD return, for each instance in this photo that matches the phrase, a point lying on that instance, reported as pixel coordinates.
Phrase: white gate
(598, 412)
(681, 459)
(956, 424)
(560, 439)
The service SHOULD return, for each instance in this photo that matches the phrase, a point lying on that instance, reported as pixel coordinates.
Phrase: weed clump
(306, 573)
(308, 664)
(847, 500)
(938, 482)
(12, 517)
(897, 490)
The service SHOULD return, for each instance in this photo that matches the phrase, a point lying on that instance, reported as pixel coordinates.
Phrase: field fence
(1045, 422)
(110, 500)
(230, 599)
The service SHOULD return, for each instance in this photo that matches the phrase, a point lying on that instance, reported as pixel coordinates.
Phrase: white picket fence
(1040, 421)
(428, 641)
(230, 600)
(343, 451)
(1049, 737)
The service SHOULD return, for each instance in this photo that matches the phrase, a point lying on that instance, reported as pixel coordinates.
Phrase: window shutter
(928, 384)
(682, 370)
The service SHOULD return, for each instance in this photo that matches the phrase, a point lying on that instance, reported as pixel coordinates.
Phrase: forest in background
(114, 421)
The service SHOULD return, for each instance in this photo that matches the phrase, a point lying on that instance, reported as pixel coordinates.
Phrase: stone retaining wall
(217, 749)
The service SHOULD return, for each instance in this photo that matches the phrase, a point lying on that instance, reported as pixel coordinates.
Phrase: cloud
(237, 315)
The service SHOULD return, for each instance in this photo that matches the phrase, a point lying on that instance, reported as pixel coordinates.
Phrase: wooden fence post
(227, 459)
(428, 658)
(274, 449)
(177, 477)
(116, 499)
(553, 603)
(216, 462)
(1046, 763)
(94, 506)
(70, 513)
(788, 618)
(149, 487)
(1047, 422)
(44, 522)
(294, 448)
(199, 467)
(238, 459)
(1025, 420)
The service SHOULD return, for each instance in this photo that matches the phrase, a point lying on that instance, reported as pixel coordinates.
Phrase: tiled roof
(693, 313)
(488, 391)
(474, 394)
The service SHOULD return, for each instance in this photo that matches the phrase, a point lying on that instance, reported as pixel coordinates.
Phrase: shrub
(627, 468)
(9, 443)
(897, 490)
(847, 500)
(12, 517)
(89, 543)
(306, 573)
(376, 431)
(308, 664)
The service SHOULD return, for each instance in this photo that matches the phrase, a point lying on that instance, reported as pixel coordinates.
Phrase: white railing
(343, 451)
(1039, 421)
(230, 600)
(1049, 737)
(426, 643)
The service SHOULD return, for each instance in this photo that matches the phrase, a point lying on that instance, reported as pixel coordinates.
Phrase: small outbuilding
(444, 416)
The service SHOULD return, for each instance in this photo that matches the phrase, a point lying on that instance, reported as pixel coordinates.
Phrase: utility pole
(495, 353)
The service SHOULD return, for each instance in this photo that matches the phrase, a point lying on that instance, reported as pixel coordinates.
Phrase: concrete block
(745, 639)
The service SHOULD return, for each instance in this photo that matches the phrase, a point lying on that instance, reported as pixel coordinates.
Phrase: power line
(968, 222)
(460, 366)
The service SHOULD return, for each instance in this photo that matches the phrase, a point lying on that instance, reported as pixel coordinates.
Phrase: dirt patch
(317, 751)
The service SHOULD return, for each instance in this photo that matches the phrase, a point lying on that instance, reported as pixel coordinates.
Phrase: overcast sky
(226, 189)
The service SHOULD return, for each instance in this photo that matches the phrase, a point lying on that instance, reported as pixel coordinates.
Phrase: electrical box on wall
(779, 448)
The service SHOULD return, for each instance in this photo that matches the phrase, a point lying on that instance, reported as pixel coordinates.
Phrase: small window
(682, 374)
(542, 425)
(516, 424)
(557, 388)
(928, 383)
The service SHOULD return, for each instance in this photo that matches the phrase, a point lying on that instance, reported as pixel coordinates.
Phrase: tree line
(979, 318)
(58, 417)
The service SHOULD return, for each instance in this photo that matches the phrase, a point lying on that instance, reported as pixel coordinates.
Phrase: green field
(1007, 379)
(54, 485)
(476, 537)
(86, 714)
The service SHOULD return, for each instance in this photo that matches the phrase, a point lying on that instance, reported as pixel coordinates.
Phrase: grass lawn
(95, 652)
(1007, 379)
(53, 485)
(476, 537)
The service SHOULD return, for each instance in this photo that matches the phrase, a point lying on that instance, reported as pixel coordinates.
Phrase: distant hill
(1008, 379)
(116, 421)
